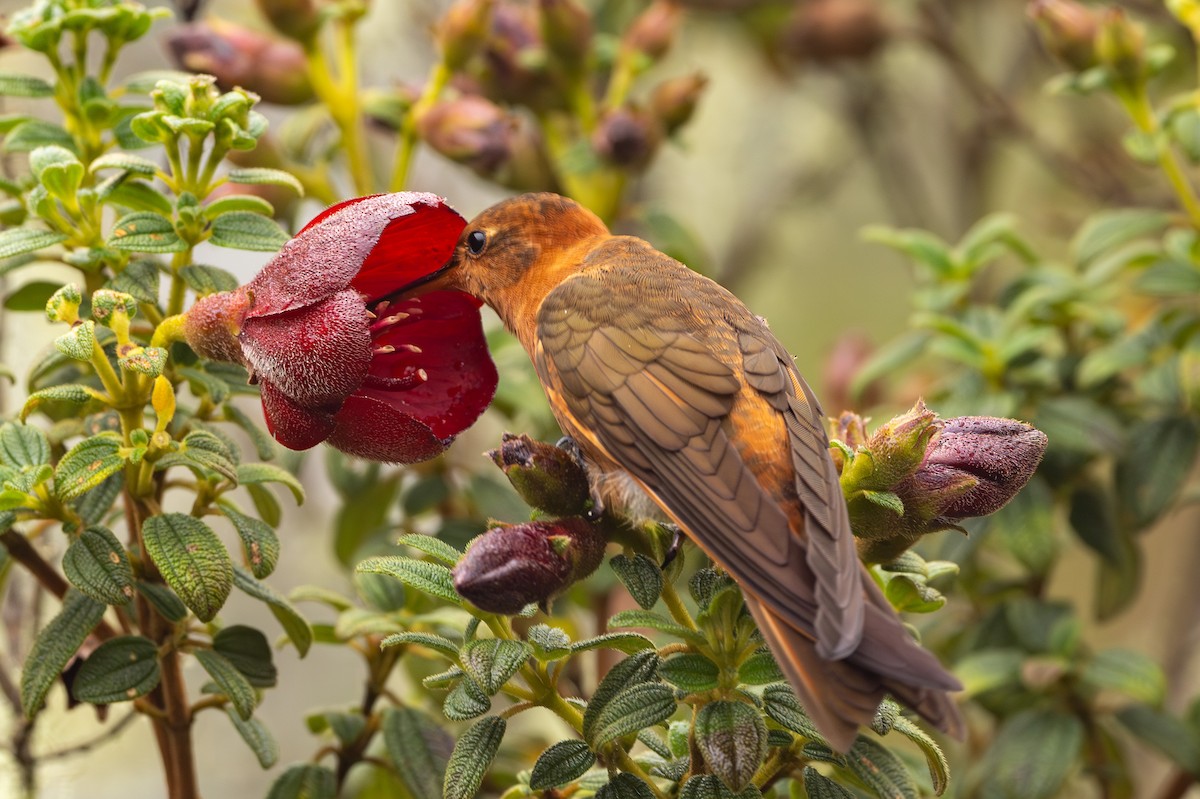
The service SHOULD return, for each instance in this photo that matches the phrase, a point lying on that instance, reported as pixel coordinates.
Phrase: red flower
(336, 355)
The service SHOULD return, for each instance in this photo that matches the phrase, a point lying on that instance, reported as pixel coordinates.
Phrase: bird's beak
(437, 280)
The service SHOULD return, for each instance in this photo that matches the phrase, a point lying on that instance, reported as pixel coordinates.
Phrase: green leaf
(74, 394)
(247, 649)
(125, 161)
(164, 601)
(1109, 229)
(781, 705)
(192, 560)
(256, 473)
(260, 544)
(472, 757)
(563, 762)
(430, 578)
(296, 627)
(363, 522)
(1032, 755)
(818, 786)
(690, 671)
(380, 592)
(204, 384)
(634, 708)
(1094, 520)
(1126, 672)
(12, 85)
(935, 758)
(55, 645)
(79, 343)
(34, 133)
(641, 576)
(1153, 469)
(443, 646)
(709, 786)
(264, 445)
(435, 547)
(549, 643)
(622, 642)
(139, 280)
(304, 781)
(243, 230)
(265, 503)
(732, 737)
(880, 770)
(145, 231)
(1164, 732)
(136, 196)
(921, 246)
(1169, 278)
(654, 621)
(1025, 527)
(31, 297)
(205, 449)
(416, 745)
(256, 736)
(238, 202)
(760, 669)
(94, 506)
(466, 700)
(87, 464)
(21, 240)
(261, 175)
(625, 786)
(23, 445)
(633, 670)
(97, 565)
(492, 662)
(119, 670)
(231, 681)
(913, 596)
(205, 280)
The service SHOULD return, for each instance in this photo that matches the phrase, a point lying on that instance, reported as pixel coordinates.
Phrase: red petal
(375, 430)
(292, 426)
(410, 248)
(461, 378)
(316, 356)
(328, 253)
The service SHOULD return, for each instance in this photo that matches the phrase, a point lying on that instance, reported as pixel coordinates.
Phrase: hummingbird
(667, 382)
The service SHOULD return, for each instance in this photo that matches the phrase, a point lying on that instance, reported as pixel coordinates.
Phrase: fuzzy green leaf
(1126, 672)
(627, 642)
(430, 578)
(935, 758)
(633, 670)
(192, 560)
(491, 662)
(625, 786)
(636, 707)
(1032, 755)
(261, 175)
(87, 464)
(435, 547)
(260, 544)
(244, 230)
(145, 231)
(73, 394)
(97, 565)
(641, 576)
(563, 762)
(121, 669)
(760, 669)
(256, 736)
(231, 681)
(247, 649)
(164, 601)
(732, 737)
(709, 786)
(549, 643)
(472, 756)
(205, 280)
(654, 621)
(443, 646)
(12, 85)
(257, 473)
(818, 786)
(466, 700)
(55, 645)
(690, 671)
(781, 705)
(304, 781)
(125, 161)
(21, 240)
(23, 445)
(1164, 732)
(417, 746)
(295, 625)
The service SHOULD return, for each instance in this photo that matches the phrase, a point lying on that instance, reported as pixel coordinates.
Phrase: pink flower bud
(1068, 30)
(507, 568)
(827, 31)
(275, 69)
(471, 130)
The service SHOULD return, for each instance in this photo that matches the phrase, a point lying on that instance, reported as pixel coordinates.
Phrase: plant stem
(407, 143)
(1137, 104)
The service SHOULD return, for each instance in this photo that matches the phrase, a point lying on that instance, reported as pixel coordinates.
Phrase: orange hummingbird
(662, 375)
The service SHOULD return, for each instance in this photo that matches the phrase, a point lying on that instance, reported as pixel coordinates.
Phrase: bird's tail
(842, 695)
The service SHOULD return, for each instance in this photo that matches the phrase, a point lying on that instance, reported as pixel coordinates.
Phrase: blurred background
(814, 120)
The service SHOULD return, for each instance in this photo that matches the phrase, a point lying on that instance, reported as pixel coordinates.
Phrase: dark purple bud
(546, 477)
(507, 568)
(1000, 454)
(471, 130)
(626, 137)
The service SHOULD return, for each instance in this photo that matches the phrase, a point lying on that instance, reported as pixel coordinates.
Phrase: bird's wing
(656, 367)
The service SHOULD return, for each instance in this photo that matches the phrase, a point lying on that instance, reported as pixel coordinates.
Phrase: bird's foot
(571, 447)
(673, 549)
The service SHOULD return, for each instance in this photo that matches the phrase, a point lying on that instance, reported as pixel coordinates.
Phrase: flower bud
(827, 31)
(1121, 46)
(470, 130)
(274, 69)
(507, 568)
(674, 100)
(296, 19)
(896, 449)
(626, 137)
(212, 325)
(1068, 31)
(567, 31)
(63, 305)
(514, 60)
(547, 477)
(462, 31)
(653, 32)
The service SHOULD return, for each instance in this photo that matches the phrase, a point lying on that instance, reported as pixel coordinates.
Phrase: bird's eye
(476, 241)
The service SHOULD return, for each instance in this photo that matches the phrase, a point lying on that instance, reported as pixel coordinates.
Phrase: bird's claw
(673, 549)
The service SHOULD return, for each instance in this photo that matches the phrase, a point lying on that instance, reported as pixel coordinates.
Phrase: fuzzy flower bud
(969, 466)
(507, 568)
(626, 137)
(1121, 46)
(462, 31)
(296, 19)
(1068, 31)
(471, 130)
(567, 30)
(674, 100)
(653, 32)
(547, 477)
(827, 31)
(274, 69)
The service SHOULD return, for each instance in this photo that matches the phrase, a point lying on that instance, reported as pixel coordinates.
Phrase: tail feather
(842, 695)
